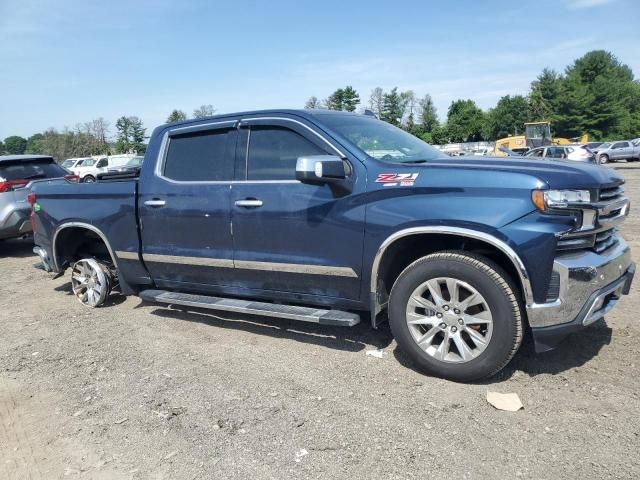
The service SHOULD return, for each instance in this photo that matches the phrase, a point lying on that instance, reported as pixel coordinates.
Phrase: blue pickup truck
(333, 217)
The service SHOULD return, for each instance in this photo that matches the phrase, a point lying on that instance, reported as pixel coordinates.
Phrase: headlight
(546, 199)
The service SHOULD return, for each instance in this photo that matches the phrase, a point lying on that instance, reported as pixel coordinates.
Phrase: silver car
(576, 153)
(614, 151)
(17, 173)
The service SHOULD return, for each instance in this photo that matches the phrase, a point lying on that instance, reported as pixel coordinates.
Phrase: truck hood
(554, 173)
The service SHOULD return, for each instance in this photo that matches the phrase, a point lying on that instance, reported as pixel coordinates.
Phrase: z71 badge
(395, 179)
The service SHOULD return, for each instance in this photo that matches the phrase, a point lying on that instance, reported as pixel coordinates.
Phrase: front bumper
(590, 286)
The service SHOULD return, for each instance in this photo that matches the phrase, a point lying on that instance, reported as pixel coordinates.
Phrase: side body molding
(376, 306)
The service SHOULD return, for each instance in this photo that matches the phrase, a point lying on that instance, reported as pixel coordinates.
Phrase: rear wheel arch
(73, 239)
(406, 246)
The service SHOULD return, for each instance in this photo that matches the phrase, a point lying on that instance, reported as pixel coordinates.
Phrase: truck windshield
(381, 140)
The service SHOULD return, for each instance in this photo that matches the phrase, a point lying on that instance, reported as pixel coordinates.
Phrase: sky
(66, 62)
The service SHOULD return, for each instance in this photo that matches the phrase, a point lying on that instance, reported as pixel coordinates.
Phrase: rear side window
(31, 170)
(199, 157)
(274, 151)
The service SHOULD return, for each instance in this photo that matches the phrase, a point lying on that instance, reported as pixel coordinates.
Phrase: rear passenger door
(185, 211)
(288, 236)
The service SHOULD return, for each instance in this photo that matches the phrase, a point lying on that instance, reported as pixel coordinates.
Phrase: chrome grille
(605, 240)
(598, 242)
(611, 193)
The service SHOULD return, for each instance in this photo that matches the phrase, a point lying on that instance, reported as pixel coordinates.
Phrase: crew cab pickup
(333, 217)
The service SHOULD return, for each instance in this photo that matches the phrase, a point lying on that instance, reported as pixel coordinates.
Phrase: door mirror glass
(319, 169)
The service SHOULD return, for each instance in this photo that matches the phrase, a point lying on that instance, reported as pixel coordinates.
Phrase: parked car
(131, 168)
(508, 152)
(17, 174)
(615, 151)
(316, 215)
(578, 153)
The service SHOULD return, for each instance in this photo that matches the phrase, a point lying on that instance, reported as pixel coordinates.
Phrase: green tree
(428, 114)
(598, 95)
(176, 116)
(33, 144)
(350, 99)
(334, 101)
(544, 96)
(439, 135)
(346, 99)
(15, 145)
(201, 112)
(393, 107)
(130, 135)
(507, 117)
(465, 121)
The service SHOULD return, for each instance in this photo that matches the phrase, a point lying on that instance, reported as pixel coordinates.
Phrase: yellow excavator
(536, 134)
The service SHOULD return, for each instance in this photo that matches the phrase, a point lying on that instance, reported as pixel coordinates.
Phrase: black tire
(89, 179)
(496, 288)
(603, 159)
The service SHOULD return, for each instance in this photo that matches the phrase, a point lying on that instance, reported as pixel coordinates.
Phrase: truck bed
(109, 207)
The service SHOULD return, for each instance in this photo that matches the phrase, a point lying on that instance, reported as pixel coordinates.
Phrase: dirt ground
(135, 390)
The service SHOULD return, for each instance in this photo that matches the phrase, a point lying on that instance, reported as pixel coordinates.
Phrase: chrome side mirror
(320, 169)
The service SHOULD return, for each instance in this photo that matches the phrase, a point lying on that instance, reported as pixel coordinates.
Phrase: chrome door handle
(248, 203)
(155, 203)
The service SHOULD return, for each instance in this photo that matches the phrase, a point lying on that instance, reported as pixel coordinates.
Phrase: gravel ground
(135, 390)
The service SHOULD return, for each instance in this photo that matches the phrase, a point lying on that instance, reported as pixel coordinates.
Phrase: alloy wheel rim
(449, 320)
(89, 282)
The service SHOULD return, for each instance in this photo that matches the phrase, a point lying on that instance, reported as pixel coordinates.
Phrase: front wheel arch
(405, 246)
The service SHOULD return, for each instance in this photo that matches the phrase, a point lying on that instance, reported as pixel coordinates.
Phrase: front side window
(199, 157)
(621, 145)
(102, 163)
(274, 151)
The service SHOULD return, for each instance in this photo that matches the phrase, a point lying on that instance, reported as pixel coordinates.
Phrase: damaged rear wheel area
(91, 281)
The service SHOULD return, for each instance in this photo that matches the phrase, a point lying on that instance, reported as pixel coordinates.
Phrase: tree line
(92, 138)
(596, 94)
(86, 139)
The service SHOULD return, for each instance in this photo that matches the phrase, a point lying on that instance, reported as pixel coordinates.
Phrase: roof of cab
(6, 158)
(305, 113)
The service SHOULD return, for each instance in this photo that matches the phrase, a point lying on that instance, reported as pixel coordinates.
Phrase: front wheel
(91, 282)
(456, 315)
(604, 159)
(89, 179)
